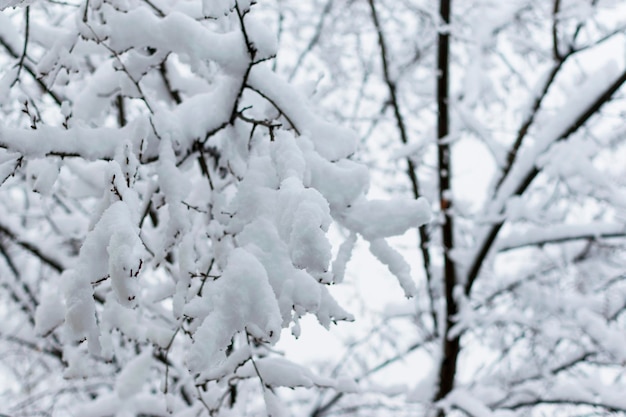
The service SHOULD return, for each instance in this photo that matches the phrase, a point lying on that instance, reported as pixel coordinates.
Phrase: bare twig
(555, 38)
(32, 72)
(20, 64)
(314, 39)
(451, 344)
(32, 249)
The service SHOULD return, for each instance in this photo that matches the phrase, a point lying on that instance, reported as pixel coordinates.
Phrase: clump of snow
(384, 218)
(396, 264)
(240, 300)
(230, 217)
(343, 256)
(341, 182)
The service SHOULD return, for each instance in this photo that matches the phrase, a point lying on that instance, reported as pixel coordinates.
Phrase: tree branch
(451, 345)
(527, 179)
(20, 64)
(525, 127)
(555, 39)
(31, 71)
(411, 170)
(314, 39)
(33, 249)
(560, 234)
(321, 410)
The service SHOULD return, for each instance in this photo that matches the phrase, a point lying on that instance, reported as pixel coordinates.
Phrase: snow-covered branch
(558, 234)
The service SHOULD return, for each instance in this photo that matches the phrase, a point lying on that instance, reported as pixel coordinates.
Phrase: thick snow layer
(577, 104)
(217, 8)
(80, 310)
(559, 233)
(384, 218)
(93, 144)
(240, 300)
(112, 250)
(180, 33)
(396, 264)
(341, 182)
(280, 372)
(202, 222)
(43, 173)
(264, 41)
(330, 141)
(343, 256)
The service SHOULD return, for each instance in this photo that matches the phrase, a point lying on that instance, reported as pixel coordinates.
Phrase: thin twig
(411, 169)
(20, 64)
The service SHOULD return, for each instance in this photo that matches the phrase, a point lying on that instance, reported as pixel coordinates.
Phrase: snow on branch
(189, 191)
(559, 234)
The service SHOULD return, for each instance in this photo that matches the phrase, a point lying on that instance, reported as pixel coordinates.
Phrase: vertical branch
(31, 70)
(252, 51)
(527, 178)
(314, 40)
(404, 137)
(174, 94)
(451, 346)
(528, 121)
(555, 40)
(20, 64)
(121, 111)
(279, 31)
(559, 60)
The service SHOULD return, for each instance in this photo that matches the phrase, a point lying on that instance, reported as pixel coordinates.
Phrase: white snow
(50, 312)
(240, 300)
(396, 264)
(343, 256)
(384, 218)
(134, 375)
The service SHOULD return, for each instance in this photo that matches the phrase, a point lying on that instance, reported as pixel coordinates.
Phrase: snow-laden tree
(164, 210)
(510, 116)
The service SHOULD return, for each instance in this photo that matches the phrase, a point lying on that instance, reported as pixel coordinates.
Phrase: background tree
(508, 115)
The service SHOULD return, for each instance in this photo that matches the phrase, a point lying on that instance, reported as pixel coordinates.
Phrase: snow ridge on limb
(193, 191)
